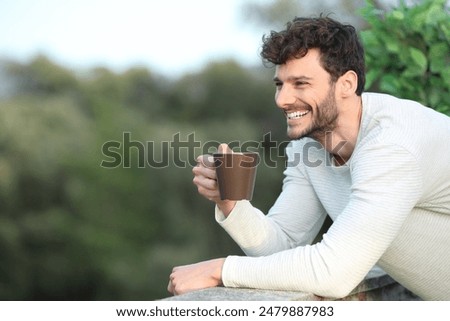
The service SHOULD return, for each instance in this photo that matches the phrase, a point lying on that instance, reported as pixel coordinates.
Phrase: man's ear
(347, 84)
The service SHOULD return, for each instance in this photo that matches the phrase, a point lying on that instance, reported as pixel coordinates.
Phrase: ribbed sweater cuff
(236, 216)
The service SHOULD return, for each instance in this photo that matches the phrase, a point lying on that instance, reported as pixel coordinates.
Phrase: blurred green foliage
(408, 51)
(71, 229)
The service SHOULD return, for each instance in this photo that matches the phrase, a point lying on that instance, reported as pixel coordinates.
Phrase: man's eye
(300, 83)
(278, 84)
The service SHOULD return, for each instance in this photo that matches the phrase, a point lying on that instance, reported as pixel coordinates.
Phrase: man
(381, 172)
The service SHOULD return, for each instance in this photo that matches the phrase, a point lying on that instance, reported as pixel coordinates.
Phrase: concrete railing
(373, 289)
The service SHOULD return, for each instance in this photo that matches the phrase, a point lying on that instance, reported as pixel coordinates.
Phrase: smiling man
(384, 179)
(307, 95)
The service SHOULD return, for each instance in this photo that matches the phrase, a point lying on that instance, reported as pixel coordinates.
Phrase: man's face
(306, 96)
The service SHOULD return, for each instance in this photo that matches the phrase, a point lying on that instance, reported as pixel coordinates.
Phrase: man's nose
(284, 97)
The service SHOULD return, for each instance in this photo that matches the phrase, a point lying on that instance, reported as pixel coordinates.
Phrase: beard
(324, 119)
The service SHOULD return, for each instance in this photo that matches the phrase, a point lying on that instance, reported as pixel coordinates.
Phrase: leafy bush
(407, 52)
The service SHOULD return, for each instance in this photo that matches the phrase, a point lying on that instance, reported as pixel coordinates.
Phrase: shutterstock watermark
(182, 151)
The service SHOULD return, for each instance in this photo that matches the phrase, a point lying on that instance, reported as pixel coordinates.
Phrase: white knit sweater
(390, 205)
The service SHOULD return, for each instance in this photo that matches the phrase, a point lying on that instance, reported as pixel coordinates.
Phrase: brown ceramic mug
(236, 174)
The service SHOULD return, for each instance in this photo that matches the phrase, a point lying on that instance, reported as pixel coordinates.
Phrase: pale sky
(170, 37)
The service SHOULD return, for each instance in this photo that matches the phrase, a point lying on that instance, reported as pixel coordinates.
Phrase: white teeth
(297, 114)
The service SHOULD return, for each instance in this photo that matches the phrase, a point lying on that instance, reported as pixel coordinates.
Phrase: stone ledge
(373, 289)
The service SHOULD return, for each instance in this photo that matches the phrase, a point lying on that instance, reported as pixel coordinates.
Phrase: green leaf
(389, 84)
(438, 56)
(371, 77)
(445, 28)
(418, 21)
(398, 15)
(434, 96)
(392, 45)
(419, 58)
(445, 74)
(369, 38)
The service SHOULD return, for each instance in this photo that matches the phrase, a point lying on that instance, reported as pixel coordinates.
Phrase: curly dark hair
(339, 46)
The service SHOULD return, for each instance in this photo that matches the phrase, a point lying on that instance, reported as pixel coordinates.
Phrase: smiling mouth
(296, 114)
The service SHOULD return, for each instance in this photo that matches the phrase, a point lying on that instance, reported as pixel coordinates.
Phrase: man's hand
(197, 276)
(206, 180)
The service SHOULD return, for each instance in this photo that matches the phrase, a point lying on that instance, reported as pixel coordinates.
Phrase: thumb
(224, 149)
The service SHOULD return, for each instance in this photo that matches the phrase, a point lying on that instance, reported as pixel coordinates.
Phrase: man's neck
(341, 142)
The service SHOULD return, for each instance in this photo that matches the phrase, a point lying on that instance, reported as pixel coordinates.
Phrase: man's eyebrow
(293, 79)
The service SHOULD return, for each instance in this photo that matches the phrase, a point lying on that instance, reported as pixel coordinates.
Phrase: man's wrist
(226, 206)
(218, 275)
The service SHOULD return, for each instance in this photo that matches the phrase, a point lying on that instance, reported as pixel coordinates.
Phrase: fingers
(204, 172)
(206, 161)
(197, 276)
(224, 149)
(174, 281)
(170, 288)
(205, 182)
(205, 178)
(171, 285)
(209, 191)
(205, 175)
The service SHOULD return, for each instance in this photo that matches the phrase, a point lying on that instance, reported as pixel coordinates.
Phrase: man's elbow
(335, 290)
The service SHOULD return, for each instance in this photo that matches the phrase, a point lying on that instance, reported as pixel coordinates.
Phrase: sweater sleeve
(386, 185)
(295, 219)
